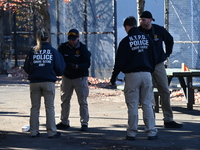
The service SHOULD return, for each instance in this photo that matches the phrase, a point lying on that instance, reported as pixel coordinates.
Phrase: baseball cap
(73, 34)
(147, 14)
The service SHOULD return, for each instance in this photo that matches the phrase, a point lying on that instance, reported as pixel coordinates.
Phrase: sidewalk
(107, 125)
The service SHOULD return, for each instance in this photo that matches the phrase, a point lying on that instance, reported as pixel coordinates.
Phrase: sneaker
(57, 135)
(62, 126)
(34, 136)
(84, 128)
(130, 138)
(172, 124)
(152, 137)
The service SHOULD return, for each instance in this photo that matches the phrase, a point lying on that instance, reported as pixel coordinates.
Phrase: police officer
(77, 59)
(43, 64)
(159, 35)
(136, 58)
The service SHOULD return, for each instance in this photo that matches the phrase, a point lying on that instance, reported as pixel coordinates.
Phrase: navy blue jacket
(135, 53)
(44, 65)
(78, 55)
(159, 34)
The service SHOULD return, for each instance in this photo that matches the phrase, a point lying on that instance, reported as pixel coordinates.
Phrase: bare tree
(140, 7)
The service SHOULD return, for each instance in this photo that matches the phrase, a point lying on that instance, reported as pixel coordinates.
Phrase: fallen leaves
(178, 95)
(95, 83)
(106, 94)
(17, 72)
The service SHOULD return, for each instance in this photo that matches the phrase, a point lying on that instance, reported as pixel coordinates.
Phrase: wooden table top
(180, 72)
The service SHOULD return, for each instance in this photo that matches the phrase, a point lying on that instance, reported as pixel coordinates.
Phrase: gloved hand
(112, 81)
(72, 66)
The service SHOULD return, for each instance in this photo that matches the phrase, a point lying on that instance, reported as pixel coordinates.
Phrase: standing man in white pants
(136, 58)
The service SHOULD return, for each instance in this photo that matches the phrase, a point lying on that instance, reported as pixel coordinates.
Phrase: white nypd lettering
(138, 42)
(42, 57)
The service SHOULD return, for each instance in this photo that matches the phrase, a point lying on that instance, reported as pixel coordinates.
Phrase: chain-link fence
(184, 27)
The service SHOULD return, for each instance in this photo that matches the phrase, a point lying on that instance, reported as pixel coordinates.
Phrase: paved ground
(107, 126)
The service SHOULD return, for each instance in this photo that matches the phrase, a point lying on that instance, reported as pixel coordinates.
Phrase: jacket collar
(133, 30)
(77, 46)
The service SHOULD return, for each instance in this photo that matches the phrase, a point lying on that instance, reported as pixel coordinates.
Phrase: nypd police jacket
(79, 56)
(135, 53)
(159, 35)
(44, 65)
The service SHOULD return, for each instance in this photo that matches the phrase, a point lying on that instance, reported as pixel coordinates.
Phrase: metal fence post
(15, 40)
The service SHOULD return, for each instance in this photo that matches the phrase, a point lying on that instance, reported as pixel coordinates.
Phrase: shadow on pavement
(194, 112)
(105, 138)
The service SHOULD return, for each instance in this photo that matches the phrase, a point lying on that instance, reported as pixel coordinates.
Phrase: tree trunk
(46, 16)
(140, 8)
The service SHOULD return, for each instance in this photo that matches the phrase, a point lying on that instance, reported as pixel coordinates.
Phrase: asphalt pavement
(107, 125)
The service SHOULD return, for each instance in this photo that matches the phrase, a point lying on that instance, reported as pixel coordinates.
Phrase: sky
(127, 8)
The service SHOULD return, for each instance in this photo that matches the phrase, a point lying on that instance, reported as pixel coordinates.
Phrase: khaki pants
(80, 85)
(37, 90)
(138, 88)
(161, 82)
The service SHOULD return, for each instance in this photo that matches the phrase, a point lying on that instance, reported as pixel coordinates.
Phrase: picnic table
(185, 79)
